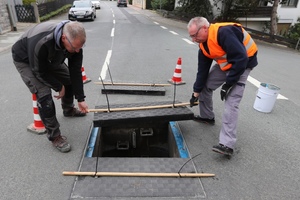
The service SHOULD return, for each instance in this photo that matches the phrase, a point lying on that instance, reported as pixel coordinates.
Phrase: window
(290, 3)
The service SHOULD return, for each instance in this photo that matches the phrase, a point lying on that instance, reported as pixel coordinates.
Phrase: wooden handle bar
(138, 174)
(140, 108)
(134, 84)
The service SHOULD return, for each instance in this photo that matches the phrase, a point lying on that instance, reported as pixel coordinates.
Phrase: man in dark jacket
(39, 57)
(235, 54)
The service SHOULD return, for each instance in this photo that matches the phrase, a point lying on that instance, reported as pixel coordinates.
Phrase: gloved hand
(225, 90)
(193, 100)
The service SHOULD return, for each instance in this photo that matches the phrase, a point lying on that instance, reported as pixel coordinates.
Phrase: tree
(229, 8)
(229, 5)
(192, 8)
(273, 30)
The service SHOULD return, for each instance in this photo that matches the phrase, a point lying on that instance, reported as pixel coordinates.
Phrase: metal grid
(99, 187)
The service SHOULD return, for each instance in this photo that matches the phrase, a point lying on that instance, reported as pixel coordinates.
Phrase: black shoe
(204, 120)
(73, 112)
(60, 142)
(222, 149)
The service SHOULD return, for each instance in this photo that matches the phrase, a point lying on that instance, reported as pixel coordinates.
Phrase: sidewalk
(156, 16)
(9, 38)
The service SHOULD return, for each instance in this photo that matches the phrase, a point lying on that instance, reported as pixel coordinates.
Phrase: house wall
(288, 14)
(5, 24)
(256, 25)
(139, 3)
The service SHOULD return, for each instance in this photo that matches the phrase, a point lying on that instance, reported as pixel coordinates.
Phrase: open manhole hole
(144, 141)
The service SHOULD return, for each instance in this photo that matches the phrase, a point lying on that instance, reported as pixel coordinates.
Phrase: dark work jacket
(42, 49)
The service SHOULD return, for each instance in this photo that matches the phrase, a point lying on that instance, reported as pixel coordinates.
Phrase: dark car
(82, 10)
(122, 3)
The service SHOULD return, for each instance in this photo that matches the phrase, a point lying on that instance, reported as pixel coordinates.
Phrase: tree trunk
(273, 30)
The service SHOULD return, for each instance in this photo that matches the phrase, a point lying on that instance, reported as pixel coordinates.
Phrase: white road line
(188, 41)
(254, 81)
(105, 65)
(163, 27)
(156, 23)
(174, 33)
(257, 84)
(112, 32)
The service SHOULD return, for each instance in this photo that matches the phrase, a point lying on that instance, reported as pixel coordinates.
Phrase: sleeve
(75, 64)
(230, 38)
(204, 65)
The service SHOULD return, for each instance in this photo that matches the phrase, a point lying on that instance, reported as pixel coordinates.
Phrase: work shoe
(222, 149)
(60, 142)
(204, 120)
(73, 112)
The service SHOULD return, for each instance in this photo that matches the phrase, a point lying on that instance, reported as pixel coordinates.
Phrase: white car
(96, 4)
(82, 10)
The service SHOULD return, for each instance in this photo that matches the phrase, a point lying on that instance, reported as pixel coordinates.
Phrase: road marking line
(163, 27)
(188, 41)
(105, 65)
(257, 84)
(112, 32)
(174, 33)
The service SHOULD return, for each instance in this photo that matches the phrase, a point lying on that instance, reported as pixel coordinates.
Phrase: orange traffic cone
(84, 78)
(176, 79)
(37, 126)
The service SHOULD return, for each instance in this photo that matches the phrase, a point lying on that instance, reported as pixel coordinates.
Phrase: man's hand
(61, 93)
(194, 99)
(225, 91)
(83, 107)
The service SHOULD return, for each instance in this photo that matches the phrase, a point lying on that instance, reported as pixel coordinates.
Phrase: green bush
(28, 2)
(163, 4)
(57, 12)
(294, 31)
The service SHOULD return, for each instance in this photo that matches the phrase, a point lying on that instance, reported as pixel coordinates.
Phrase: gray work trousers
(46, 106)
(216, 78)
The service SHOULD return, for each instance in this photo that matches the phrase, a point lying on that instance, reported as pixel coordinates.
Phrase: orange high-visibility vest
(217, 53)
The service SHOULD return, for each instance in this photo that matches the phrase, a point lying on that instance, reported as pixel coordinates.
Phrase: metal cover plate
(102, 119)
(99, 187)
(139, 90)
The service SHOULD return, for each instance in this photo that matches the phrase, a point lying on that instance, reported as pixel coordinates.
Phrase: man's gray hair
(198, 21)
(75, 30)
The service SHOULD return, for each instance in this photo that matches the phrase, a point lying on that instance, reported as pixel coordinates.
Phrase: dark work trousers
(46, 106)
(216, 78)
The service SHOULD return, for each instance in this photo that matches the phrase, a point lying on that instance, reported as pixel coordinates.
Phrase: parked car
(82, 10)
(96, 4)
(122, 3)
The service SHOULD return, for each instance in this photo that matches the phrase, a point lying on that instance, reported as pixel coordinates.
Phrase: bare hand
(83, 107)
(61, 93)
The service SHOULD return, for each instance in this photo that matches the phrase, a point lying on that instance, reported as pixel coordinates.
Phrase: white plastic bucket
(266, 97)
